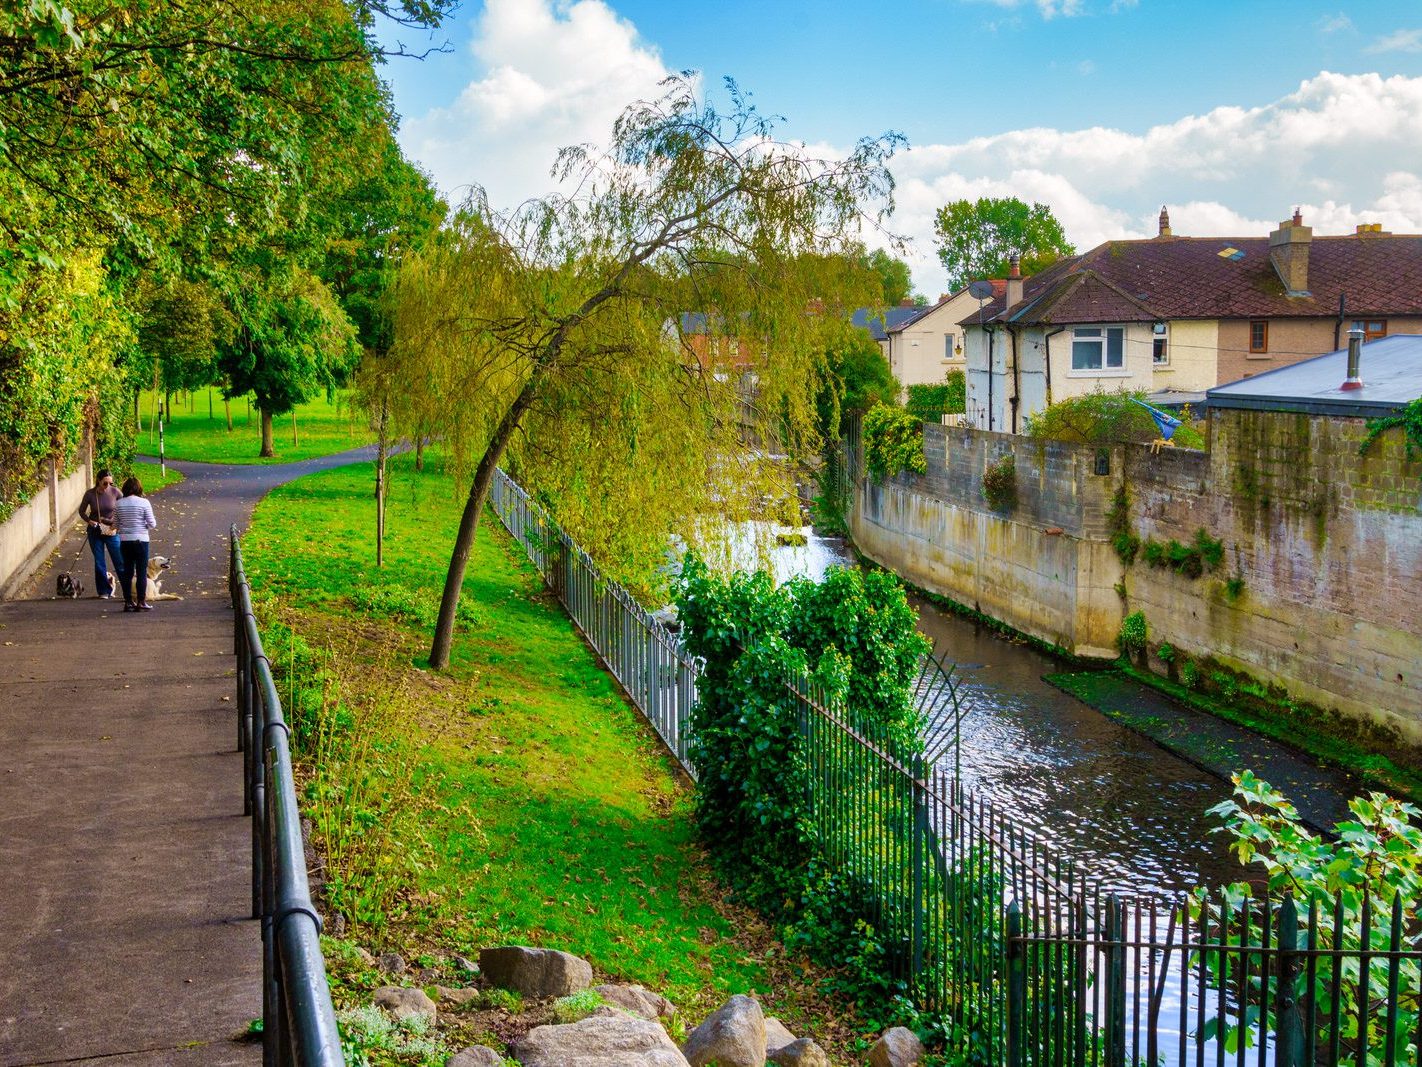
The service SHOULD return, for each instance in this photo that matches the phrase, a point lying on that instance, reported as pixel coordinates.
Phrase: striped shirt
(134, 517)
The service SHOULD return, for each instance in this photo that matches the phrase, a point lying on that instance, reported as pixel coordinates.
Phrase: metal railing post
(1288, 1025)
(1016, 987)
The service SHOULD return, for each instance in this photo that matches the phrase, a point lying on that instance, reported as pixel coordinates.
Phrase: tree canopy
(894, 276)
(621, 344)
(976, 238)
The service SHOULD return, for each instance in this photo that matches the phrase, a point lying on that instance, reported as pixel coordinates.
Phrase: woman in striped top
(134, 516)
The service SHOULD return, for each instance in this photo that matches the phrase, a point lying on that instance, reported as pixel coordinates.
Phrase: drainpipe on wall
(991, 333)
(1338, 326)
(1047, 354)
(1015, 398)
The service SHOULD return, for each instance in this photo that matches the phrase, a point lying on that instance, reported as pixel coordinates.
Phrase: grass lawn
(152, 476)
(201, 435)
(548, 814)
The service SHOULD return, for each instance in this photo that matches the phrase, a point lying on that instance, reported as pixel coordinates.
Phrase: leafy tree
(894, 274)
(893, 441)
(293, 341)
(858, 378)
(565, 324)
(977, 237)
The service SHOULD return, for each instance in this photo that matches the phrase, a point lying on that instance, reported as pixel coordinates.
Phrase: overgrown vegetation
(1124, 538)
(893, 442)
(1408, 420)
(1133, 634)
(1101, 418)
(1371, 867)
(1191, 561)
(514, 799)
(852, 637)
(928, 402)
(1000, 483)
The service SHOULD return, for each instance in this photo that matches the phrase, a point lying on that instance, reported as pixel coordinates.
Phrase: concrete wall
(1327, 544)
(1046, 570)
(35, 528)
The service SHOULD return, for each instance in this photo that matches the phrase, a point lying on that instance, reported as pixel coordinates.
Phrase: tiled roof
(1186, 277)
(875, 320)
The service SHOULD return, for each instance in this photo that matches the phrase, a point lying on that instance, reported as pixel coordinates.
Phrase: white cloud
(1334, 23)
(1344, 148)
(1398, 41)
(554, 73)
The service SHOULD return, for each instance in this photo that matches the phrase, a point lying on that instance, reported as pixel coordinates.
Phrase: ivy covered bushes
(893, 441)
(58, 348)
(851, 636)
(948, 397)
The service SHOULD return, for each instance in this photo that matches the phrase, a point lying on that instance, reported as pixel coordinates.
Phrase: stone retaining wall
(32, 532)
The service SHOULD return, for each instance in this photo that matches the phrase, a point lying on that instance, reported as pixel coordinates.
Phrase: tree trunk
(209, 404)
(419, 450)
(469, 522)
(295, 440)
(267, 450)
(227, 407)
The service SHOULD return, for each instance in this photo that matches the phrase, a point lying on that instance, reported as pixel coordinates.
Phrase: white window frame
(1160, 345)
(1100, 338)
(948, 354)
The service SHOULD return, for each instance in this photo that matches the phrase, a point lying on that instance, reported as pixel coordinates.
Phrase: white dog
(156, 566)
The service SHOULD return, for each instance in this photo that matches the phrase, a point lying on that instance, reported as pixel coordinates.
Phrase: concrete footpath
(125, 860)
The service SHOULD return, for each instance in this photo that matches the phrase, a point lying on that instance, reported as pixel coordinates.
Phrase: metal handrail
(298, 1018)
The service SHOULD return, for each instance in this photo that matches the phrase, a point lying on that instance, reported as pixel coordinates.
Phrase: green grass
(584, 840)
(153, 477)
(323, 427)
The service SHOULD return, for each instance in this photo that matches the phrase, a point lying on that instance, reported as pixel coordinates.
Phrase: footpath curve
(125, 901)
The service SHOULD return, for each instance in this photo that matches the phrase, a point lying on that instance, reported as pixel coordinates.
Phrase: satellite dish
(980, 290)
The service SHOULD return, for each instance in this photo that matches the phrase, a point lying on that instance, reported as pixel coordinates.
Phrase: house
(1184, 314)
(1386, 375)
(924, 347)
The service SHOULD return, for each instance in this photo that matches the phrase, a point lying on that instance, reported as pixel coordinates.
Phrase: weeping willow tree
(622, 344)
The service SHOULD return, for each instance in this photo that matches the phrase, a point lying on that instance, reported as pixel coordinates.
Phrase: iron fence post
(1287, 1023)
(1016, 987)
(1115, 983)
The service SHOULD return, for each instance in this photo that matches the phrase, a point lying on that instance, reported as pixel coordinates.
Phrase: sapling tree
(620, 343)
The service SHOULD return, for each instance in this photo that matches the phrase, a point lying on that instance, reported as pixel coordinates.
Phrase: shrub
(929, 402)
(893, 442)
(1102, 418)
(1134, 633)
(1124, 539)
(1166, 652)
(1192, 560)
(1000, 484)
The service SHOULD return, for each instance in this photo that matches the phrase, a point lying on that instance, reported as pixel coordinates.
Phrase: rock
(426, 976)
(467, 966)
(391, 963)
(475, 1056)
(899, 1047)
(456, 998)
(732, 1036)
(637, 1000)
(535, 972)
(776, 1036)
(801, 1053)
(404, 1001)
(608, 1038)
(364, 956)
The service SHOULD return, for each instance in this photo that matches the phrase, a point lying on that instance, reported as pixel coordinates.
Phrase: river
(1129, 811)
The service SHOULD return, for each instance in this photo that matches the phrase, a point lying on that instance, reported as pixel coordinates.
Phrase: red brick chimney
(1014, 281)
(1164, 222)
(1288, 252)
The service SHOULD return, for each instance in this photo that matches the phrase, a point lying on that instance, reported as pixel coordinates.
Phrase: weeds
(578, 1006)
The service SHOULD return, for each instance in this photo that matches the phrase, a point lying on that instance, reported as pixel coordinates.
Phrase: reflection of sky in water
(1123, 807)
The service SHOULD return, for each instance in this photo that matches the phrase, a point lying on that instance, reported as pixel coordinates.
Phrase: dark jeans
(97, 543)
(135, 561)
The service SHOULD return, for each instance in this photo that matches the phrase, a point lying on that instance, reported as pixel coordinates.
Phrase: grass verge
(201, 435)
(516, 798)
(154, 477)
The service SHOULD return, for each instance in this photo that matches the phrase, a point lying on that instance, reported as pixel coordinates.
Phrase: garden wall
(1324, 547)
(37, 527)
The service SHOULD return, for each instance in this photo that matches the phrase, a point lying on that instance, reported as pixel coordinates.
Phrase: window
(1160, 345)
(948, 352)
(1372, 328)
(1098, 348)
(1258, 336)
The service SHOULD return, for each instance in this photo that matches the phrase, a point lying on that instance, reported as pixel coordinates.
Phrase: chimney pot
(906, 302)
(1014, 267)
(1355, 359)
(1298, 218)
(1164, 222)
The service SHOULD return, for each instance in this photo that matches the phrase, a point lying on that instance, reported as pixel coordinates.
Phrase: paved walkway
(125, 936)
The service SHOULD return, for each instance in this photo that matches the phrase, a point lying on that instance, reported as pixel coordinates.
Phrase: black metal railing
(298, 1019)
(1020, 951)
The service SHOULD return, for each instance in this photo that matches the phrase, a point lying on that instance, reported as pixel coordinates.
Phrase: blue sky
(1231, 113)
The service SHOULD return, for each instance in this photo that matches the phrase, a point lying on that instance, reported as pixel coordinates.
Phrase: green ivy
(893, 441)
(1192, 560)
(1408, 420)
(1124, 538)
(1000, 484)
(930, 402)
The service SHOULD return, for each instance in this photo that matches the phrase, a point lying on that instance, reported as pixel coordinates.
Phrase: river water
(1128, 811)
